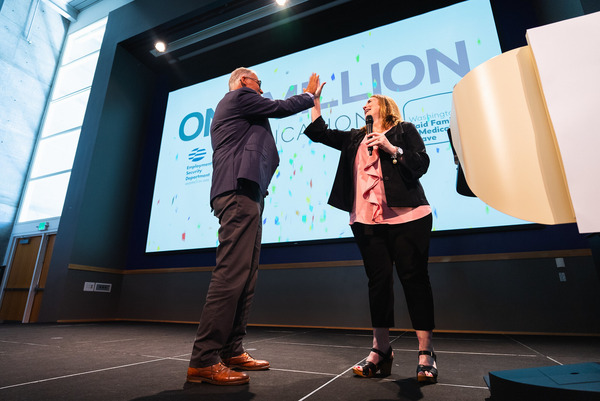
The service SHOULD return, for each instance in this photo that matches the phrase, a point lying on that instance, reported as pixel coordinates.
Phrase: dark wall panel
(91, 305)
(103, 230)
(521, 295)
(164, 297)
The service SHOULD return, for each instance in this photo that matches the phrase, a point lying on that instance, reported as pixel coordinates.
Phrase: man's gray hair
(238, 73)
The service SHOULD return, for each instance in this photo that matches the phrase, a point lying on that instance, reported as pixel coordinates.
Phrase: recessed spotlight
(281, 2)
(160, 46)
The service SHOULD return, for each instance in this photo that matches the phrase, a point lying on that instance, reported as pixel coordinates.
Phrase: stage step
(577, 382)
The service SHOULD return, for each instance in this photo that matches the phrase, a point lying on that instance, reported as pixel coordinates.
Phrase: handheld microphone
(369, 126)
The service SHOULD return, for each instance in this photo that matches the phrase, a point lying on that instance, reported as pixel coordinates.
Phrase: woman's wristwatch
(398, 152)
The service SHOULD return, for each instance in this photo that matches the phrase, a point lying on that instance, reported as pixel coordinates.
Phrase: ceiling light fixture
(160, 46)
(237, 22)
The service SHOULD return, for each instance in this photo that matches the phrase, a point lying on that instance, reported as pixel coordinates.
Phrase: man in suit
(244, 159)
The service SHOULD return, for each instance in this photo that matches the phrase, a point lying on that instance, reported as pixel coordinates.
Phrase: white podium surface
(567, 56)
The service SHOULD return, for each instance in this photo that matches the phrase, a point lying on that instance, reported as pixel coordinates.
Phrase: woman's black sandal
(424, 378)
(369, 369)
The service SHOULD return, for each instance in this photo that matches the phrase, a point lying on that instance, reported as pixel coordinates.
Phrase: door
(21, 298)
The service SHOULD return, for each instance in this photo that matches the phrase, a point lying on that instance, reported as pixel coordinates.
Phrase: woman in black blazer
(377, 182)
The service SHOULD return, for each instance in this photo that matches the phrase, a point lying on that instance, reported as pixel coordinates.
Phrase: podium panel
(505, 142)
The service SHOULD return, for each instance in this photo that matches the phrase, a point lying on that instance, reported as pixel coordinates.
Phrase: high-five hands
(314, 86)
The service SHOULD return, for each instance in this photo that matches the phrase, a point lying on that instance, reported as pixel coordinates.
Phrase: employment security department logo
(197, 154)
(197, 172)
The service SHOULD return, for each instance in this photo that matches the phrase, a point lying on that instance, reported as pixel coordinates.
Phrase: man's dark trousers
(225, 314)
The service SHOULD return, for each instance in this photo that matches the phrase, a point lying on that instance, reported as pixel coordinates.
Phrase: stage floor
(148, 361)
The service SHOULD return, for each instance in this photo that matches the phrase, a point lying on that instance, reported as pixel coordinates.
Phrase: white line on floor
(108, 341)
(317, 345)
(448, 385)
(462, 385)
(537, 352)
(303, 371)
(286, 334)
(81, 373)
(21, 343)
(324, 385)
(484, 353)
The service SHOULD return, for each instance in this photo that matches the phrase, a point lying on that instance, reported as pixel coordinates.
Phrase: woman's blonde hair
(389, 112)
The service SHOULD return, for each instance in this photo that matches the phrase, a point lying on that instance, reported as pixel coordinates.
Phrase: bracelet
(398, 152)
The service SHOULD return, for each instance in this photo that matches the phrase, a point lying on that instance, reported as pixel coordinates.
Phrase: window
(55, 151)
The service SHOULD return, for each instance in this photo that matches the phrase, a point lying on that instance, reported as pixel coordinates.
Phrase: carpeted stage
(148, 361)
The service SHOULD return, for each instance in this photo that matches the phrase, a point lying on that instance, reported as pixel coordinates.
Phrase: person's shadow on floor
(410, 389)
(204, 392)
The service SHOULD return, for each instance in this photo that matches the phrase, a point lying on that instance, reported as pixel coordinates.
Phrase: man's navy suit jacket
(242, 141)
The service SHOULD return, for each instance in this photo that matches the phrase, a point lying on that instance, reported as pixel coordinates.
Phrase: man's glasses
(258, 81)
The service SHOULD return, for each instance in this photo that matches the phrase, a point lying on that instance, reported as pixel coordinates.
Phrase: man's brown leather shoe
(218, 374)
(246, 362)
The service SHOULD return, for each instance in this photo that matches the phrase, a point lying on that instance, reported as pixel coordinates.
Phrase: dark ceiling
(297, 28)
